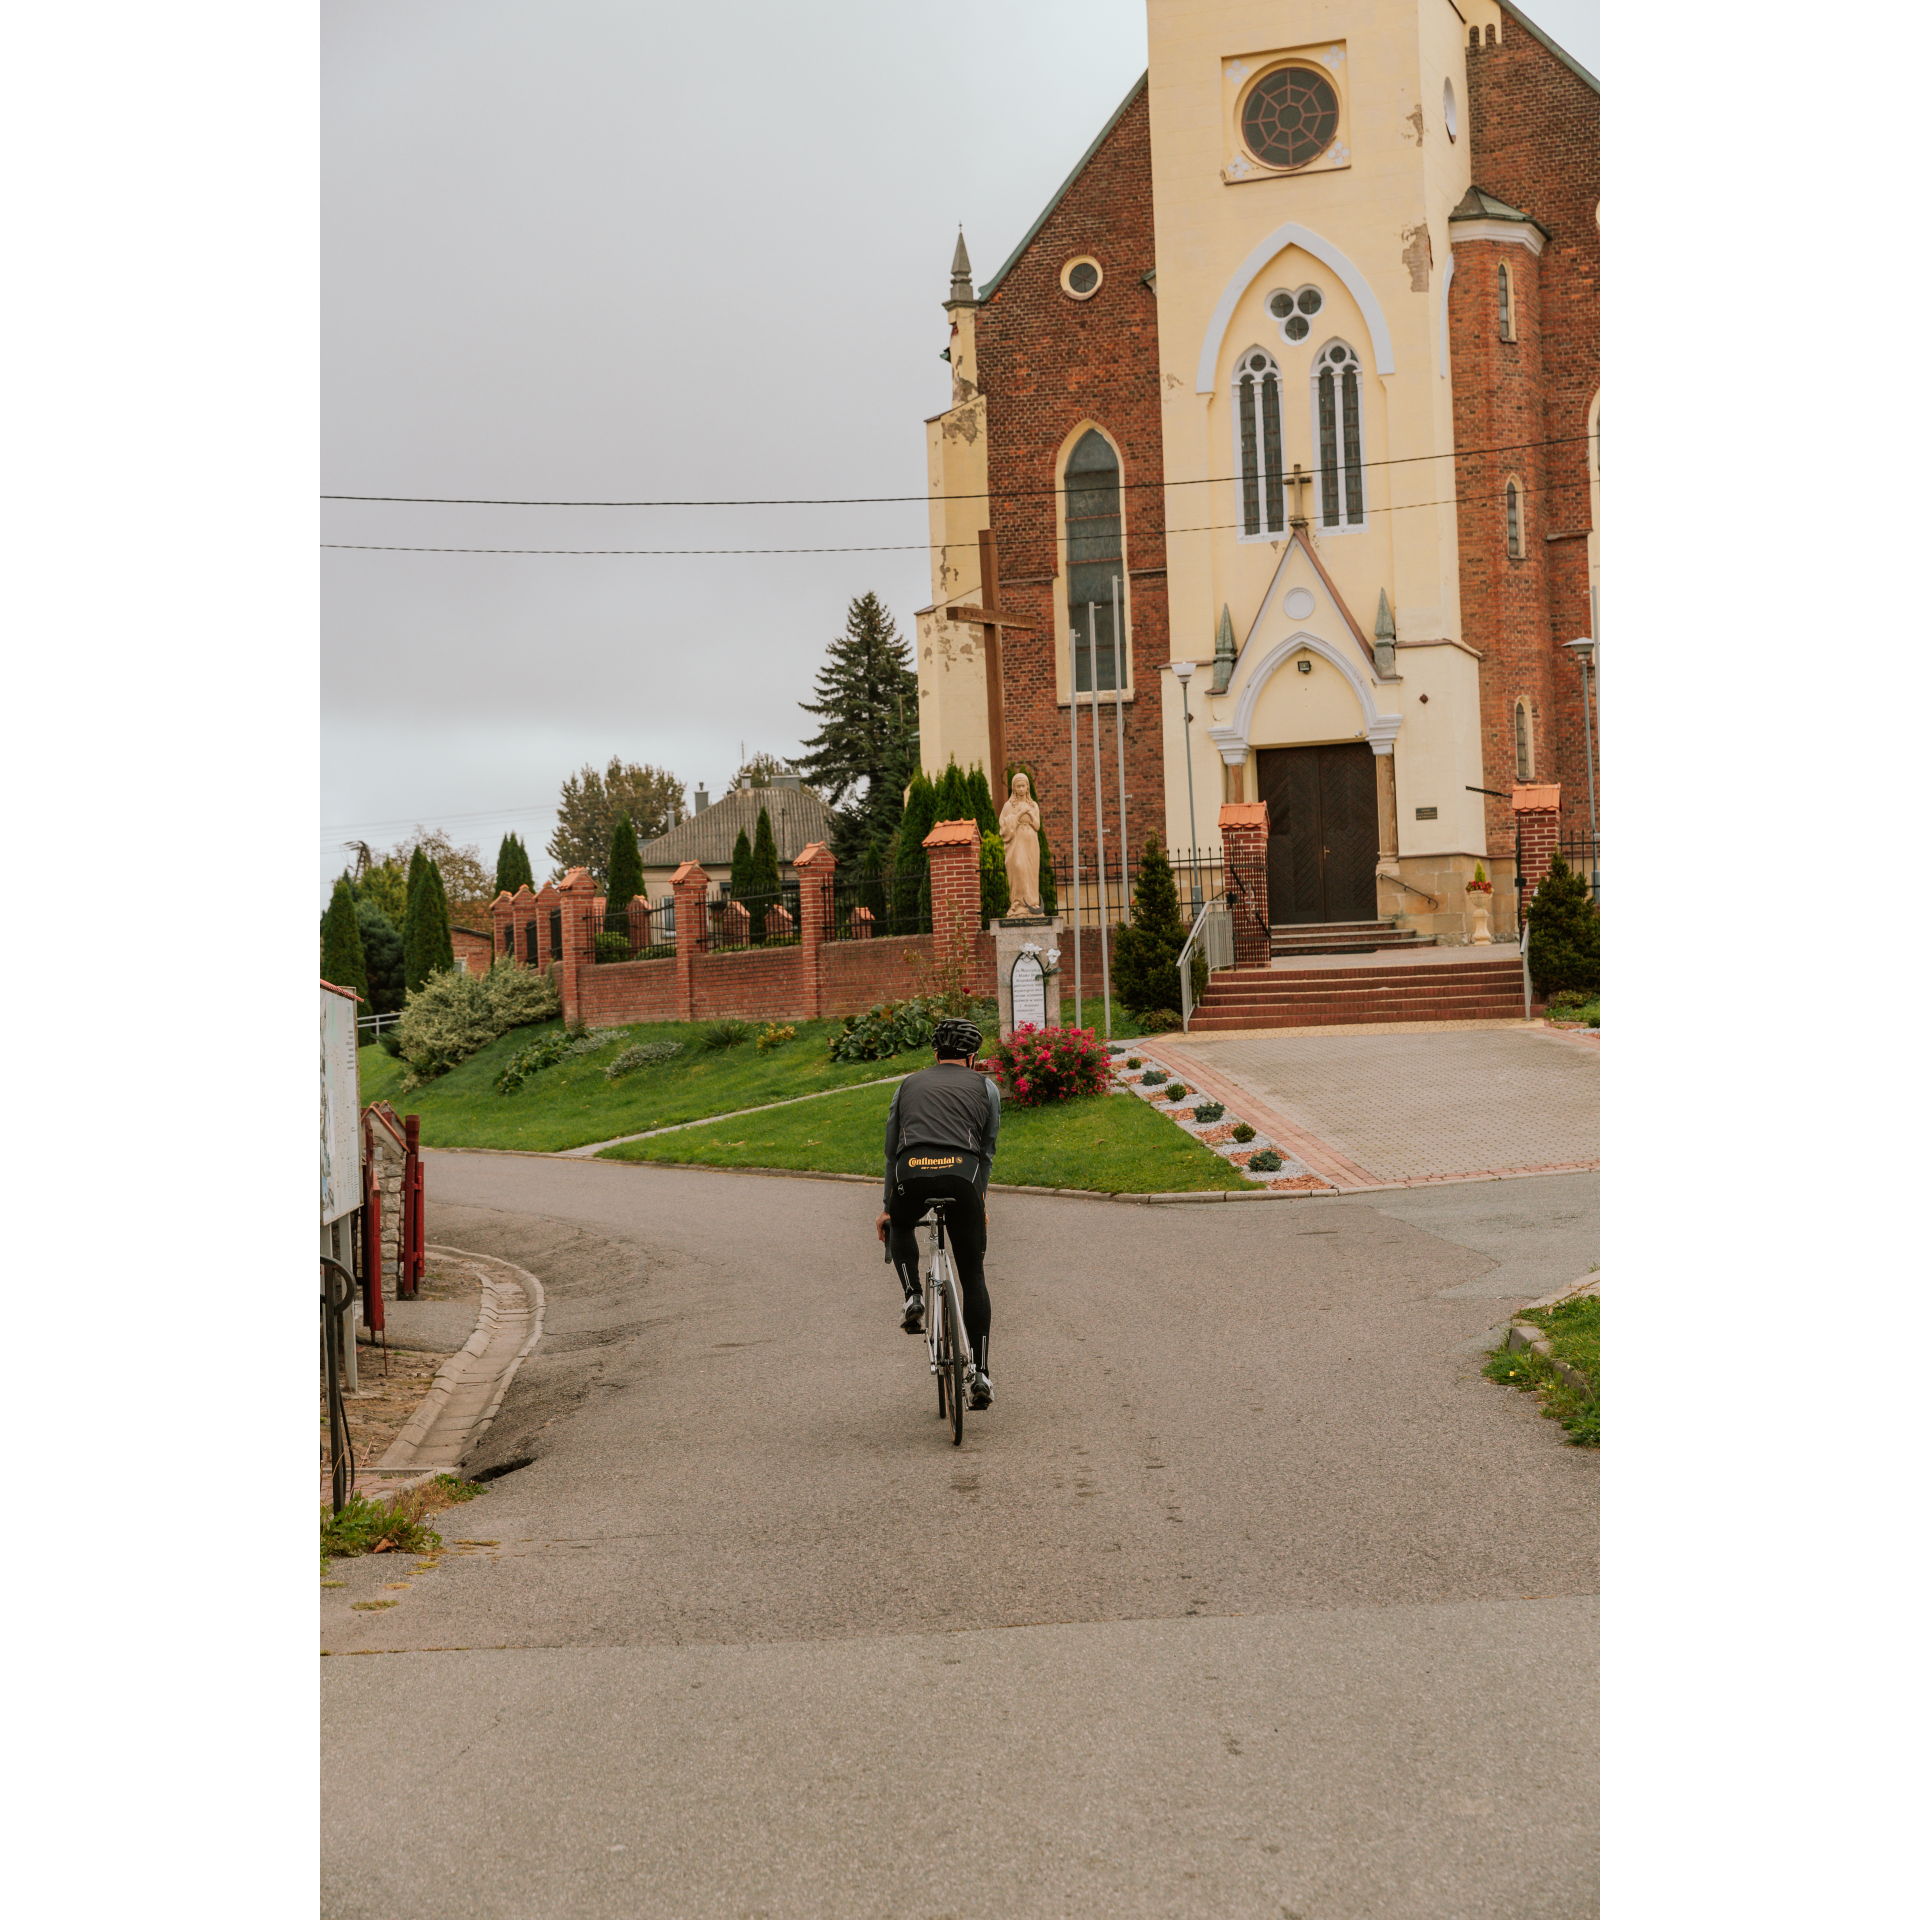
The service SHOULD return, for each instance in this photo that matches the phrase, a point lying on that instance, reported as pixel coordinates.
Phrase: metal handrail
(1202, 929)
(1248, 891)
(1526, 973)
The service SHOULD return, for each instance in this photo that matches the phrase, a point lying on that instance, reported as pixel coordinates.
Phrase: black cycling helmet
(956, 1038)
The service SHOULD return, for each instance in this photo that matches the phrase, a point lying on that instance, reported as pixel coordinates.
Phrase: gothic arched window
(1256, 389)
(1522, 740)
(1506, 301)
(1516, 523)
(1337, 410)
(1096, 561)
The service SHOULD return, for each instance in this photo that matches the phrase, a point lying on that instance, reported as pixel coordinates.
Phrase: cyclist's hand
(880, 1227)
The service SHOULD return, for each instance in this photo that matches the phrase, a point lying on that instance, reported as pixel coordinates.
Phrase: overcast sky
(594, 249)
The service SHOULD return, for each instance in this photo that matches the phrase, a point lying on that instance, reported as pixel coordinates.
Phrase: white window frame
(1268, 529)
(1358, 437)
(1508, 331)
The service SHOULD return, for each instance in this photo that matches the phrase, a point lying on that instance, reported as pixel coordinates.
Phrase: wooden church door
(1323, 833)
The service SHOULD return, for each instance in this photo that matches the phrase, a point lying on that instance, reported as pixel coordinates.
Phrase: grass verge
(1112, 1144)
(574, 1103)
(397, 1525)
(1573, 1334)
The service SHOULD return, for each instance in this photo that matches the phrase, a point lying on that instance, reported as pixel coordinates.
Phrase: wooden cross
(992, 621)
(1302, 480)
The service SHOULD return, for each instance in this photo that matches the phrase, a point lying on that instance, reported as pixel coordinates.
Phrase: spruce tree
(1563, 948)
(624, 875)
(980, 793)
(950, 800)
(409, 931)
(867, 698)
(386, 957)
(1146, 955)
(740, 867)
(342, 959)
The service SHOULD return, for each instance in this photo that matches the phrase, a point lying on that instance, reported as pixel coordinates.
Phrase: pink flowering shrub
(1039, 1064)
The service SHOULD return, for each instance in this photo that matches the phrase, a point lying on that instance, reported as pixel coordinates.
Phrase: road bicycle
(947, 1351)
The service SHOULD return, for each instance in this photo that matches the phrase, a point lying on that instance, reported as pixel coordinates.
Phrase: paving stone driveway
(1421, 1106)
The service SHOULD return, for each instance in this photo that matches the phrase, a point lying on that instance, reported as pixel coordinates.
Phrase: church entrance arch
(1323, 833)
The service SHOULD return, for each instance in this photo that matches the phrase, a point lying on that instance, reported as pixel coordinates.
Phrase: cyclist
(942, 1129)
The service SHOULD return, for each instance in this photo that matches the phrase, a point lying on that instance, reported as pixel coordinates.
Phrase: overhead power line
(897, 499)
(908, 546)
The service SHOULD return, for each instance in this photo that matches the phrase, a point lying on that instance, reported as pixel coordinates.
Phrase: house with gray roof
(797, 815)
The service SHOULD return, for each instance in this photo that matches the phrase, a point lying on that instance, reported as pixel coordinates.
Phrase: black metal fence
(633, 932)
(1107, 891)
(869, 905)
(1580, 849)
(737, 921)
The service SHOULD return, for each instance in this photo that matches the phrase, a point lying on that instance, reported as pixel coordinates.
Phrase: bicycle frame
(943, 1296)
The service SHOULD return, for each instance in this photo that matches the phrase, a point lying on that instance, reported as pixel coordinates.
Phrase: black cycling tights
(966, 1241)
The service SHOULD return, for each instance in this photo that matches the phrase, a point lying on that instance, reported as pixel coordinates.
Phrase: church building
(1296, 378)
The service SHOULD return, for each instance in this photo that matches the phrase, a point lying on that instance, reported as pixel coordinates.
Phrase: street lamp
(1183, 672)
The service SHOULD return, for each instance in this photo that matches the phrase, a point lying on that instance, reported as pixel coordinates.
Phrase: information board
(339, 1104)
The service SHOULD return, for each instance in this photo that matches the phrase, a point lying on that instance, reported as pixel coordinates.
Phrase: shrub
(1133, 1063)
(648, 1053)
(726, 1033)
(1154, 1077)
(1208, 1111)
(995, 894)
(1041, 1064)
(390, 1042)
(1242, 1132)
(1177, 1091)
(1265, 1161)
(1164, 1019)
(1563, 948)
(895, 1026)
(456, 1014)
(611, 947)
(771, 1037)
(549, 1050)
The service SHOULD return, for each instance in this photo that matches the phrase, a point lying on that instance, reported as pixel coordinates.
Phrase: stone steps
(1345, 936)
(1360, 996)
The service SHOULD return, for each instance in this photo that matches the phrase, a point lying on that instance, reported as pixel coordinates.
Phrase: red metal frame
(413, 1225)
(370, 1248)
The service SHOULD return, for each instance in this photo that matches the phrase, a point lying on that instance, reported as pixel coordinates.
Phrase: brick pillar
(1536, 816)
(953, 855)
(689, 928)
(502, 920)
(815, 869)
(1243, 829)
(522, 913)
(576, 942)
(544, 903)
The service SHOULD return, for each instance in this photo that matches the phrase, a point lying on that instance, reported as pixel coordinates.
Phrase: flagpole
(1120, 745)
(1073, 734)
(1099, 823)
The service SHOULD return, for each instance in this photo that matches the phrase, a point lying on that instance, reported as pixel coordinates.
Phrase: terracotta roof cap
(1536, 799)
(954, 833)
(1243, 813)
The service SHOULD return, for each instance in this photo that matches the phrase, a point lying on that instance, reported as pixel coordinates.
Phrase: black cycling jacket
(944, 1105)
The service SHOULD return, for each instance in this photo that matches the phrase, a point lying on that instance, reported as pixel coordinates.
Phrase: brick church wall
(1535, 128)
(1047, 362)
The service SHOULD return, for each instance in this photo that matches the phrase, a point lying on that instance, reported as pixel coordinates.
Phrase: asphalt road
(1249, 1596)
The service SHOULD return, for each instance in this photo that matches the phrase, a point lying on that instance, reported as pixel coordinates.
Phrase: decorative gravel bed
(1152, 1082)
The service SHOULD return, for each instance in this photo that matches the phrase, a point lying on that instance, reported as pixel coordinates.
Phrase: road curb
(451, 1421)
(1524, 1337)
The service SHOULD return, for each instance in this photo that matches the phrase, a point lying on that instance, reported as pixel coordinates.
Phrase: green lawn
(1115, 1144)
(1573, 1334)
(574, 1103)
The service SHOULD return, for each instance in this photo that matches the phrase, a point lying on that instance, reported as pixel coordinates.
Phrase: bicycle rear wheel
(937, 1333)
(954, 1354)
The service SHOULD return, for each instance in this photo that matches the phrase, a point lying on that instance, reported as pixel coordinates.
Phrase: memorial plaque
(1029, 989)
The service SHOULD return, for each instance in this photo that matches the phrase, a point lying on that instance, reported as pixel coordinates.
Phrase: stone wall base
(1430, 896)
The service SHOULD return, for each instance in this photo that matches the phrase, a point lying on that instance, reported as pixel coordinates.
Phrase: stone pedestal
(1010, 939)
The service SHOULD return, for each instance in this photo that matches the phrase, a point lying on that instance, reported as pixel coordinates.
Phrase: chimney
(699, 800)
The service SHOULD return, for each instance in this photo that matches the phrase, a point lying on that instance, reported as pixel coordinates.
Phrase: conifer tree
(740, 867)
(996, 895)
(342, 959)
(624, 875)
(950, 800)
(1146, 955)
(513, 869)
(913, 904)
(386, 957)
(1049, 887)
(766, 874)
(429, 935)
(1563, 949)
(867, 698)
(980, 793)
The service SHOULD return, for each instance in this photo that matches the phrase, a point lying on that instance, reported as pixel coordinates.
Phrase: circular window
(1081, 278)
(1338, 356)
(1290, 117)
(1449, 112)
(1295, 311)
(1258, 363)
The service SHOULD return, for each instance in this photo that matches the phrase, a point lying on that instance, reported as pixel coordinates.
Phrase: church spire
(1385, 639)
(960, 288)
(1223, 651)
